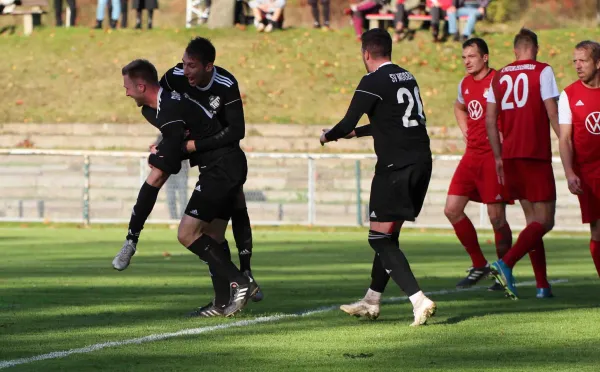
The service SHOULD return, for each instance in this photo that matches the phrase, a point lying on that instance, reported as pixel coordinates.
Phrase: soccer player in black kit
(140, 81)
(390, 96)
(218, 194)
(217, 91)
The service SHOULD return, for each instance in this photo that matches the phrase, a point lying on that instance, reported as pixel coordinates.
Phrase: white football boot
(423, 310)
(362, 308)
(122, 259)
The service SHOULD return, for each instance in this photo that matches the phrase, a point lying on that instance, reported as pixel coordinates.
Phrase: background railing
(282, 188)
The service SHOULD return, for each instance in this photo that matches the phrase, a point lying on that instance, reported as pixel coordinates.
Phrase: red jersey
(580, 106)
(473, 94)
(519, 89)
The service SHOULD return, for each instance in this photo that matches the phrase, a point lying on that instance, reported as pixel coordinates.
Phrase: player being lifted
(389, 95)
(218, 93)
(140, 80)
(524, 95)
(475, 177)
(579, 118)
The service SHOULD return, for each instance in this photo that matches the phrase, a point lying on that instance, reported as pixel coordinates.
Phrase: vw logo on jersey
(592, 122)
(214, 102)
(475, 110)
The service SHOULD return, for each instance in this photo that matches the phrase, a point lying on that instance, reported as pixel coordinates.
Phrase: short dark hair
(141, 69)
(201, 49)
(480, 43)
(592, 46)
(377, 42)
(525, 37)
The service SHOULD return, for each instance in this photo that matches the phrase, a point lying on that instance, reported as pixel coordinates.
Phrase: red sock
(465, 231)
(528, 239)
(503, 238)
(595, 250)
(538, 261)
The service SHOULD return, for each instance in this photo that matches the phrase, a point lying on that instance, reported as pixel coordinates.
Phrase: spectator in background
(473, 9)
(8, 6)
(268, 14)
(124, 13)
(401, 21)
(438, 10)
(140, 5)
(176, 187)
(114, 14)
(124, 4)
(58, 9)
(360, 11)
(314, 4)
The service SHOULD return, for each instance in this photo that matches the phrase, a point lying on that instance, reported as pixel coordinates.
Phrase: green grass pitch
(58, 292)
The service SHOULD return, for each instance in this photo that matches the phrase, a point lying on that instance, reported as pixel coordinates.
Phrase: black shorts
(218, 187)
(166, 163)
(398, 195)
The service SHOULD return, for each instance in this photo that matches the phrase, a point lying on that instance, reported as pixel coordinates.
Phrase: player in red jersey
(475, 177)
(579, 118)
(526, 93)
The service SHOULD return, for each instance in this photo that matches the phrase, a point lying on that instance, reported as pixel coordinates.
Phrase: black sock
(213, 253)
(141, 210)
(394, 261)
(221, 288)
(242, 233)
(379, 278)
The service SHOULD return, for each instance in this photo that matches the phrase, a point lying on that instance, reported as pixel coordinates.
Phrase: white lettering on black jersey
(391, 99)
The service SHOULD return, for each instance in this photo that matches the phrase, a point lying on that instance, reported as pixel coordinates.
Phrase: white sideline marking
(241, 323)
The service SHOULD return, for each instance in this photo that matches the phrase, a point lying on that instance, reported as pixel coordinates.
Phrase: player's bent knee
(157, 178)
(548, 224)
(190, 229)
(595, 230)
(497, 217)
(453, 214)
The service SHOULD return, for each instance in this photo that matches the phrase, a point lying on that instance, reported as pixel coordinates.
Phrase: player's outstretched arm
(565, 144)
(362, 102)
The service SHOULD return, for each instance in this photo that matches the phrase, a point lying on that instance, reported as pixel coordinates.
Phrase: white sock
(417, 298)
(372, 296)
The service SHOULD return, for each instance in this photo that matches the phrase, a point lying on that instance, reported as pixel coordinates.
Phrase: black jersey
(391, 99)
(176, 113)
(220, 100)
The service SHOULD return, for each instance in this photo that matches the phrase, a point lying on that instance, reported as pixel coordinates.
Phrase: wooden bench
(28, 9)
(376, 19)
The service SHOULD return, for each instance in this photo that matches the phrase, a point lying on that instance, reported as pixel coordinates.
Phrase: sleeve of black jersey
(363, 131)
(172, 126)
(364, 99)
(234, 126)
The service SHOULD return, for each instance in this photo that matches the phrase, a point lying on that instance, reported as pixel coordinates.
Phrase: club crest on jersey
(592, 123)
(214, 102)
(485, 92)
(475, 110)
(176, 96)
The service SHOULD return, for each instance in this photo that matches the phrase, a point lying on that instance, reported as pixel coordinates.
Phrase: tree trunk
(221, 13)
